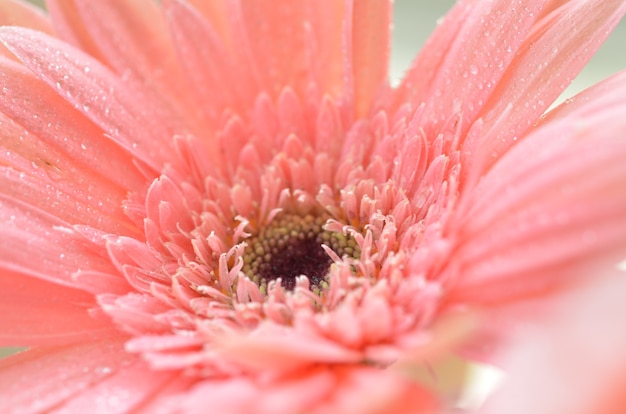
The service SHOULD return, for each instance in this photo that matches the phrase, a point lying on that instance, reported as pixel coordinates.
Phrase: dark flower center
(292, 246)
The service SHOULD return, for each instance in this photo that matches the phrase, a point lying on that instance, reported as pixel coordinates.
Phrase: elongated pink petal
(415, 84)
(32, 172)
(60, 253)
(68, 204)
(551, 206)
(599, 97)
(51, 176)
(327, 55)
(157, 402)
(367, 391)
(126, 390)
(69, 27)
(61, 126)
(19, 13)
(141, 50)
(216, 13)
(49, 314)
(43, 378)
(536, 60)
(350, 390)
(99, 377)
(277, 36)
(574, 362)
(96, 92)
(370, 41)
(448, 78)
(141, 43)
(215, 86)
(557, 49)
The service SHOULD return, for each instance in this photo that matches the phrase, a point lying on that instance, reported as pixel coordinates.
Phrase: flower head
(226, 203)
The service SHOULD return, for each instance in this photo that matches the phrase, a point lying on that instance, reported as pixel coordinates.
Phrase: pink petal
(517, 72)
(129, 254)
(140, 44)
(140, 50)
(215, 13)
(156, 403)
(573, 362)
(327, 54)
(44, 378)
(157, 343)
(19, 13)
(343, 325)
(350, 390)
(31, 233)
(172, 215)
(43, 178)
(288, 396)
(376, 317)
(462, 81)
(370, 39)
(199, 47)
(22, 13)
(61, 126)
(129, 119)
(556, 50)
(35, 312)
(69, 27)
(292, 394)
(214, 36)
(368, 390)
(275, 348)
(135, 313)
(277, 36)
(125, 391)
(234, 396)
(415, 87)
(547, 210)
(600, 97)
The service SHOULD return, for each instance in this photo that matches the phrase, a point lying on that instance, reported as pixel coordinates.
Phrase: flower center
(292, 246)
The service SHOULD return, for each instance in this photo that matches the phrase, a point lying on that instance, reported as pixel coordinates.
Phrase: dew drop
(104, 370)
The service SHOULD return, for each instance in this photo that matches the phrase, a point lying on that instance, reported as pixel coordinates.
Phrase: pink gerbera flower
(224, 206)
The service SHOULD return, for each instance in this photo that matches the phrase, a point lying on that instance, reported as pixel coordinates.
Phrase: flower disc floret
(294, 245)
